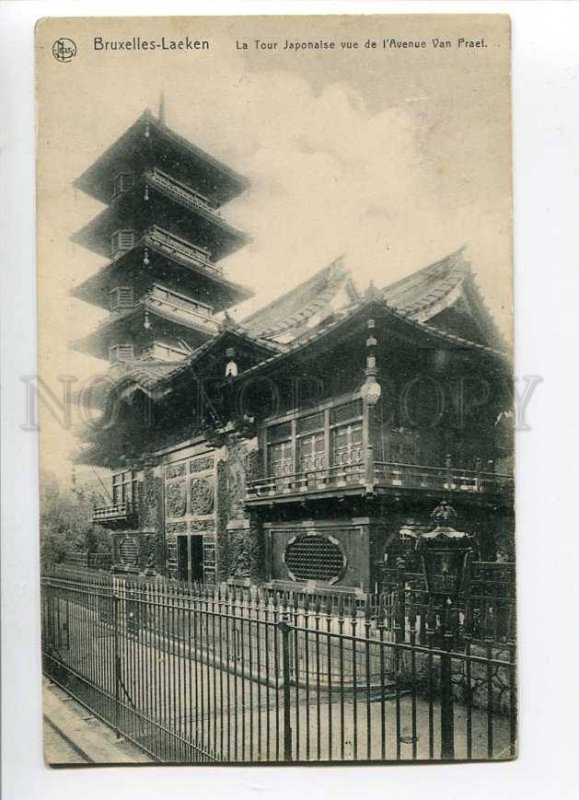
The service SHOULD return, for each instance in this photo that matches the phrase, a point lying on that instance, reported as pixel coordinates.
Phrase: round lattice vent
(314, 557)
(128, 552)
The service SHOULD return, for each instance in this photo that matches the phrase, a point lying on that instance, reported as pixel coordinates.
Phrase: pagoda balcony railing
(163, 352)
(164, 300)
(180, 247)
(118, 513)
(159, 297)
(380, 477)
(181, 191)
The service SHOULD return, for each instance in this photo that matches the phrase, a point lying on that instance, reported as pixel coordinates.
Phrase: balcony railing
(164, 298)
(449, 479)
(381, 476)
(177, 246)
(182, 191)
(343, 476)
(119, 512)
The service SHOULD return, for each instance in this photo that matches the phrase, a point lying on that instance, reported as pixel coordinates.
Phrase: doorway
(190, 558)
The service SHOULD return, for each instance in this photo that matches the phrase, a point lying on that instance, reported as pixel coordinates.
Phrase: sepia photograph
(275, 390)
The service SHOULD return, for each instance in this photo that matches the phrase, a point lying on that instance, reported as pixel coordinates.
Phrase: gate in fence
(229, 676)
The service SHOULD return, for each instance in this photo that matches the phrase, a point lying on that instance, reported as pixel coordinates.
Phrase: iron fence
(231, 675)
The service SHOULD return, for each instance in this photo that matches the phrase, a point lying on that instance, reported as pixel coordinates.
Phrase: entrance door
(182, 559)
(196, 558)
(190, 558)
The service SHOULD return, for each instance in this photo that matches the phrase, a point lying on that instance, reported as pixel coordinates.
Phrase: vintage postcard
(275, 375)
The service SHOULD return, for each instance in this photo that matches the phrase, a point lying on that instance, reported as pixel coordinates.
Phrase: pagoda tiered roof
(174, 316)
(160, 256)
(156, 198)
(149, 141)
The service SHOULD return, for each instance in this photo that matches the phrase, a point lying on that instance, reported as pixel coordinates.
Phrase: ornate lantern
(446, 557)
(371, 390)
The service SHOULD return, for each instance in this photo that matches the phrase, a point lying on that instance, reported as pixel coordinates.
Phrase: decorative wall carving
(202, 496)
(176, 499)
(235, 488)
(201, 464)
(239, 557)
(175, 470)
(245, 554)
(176, 527)
(241, 467)
(202, 526)
(150, 514)
(148, 556)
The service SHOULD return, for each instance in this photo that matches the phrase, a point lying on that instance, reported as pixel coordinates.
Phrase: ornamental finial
(443, 514)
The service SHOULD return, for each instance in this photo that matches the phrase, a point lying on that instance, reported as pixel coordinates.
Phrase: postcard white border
(546, 164)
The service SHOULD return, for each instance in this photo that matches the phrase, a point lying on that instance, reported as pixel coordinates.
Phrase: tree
(66, 524)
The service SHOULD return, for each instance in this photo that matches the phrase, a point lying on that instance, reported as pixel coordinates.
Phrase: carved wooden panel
(176, 499)
(201, 464)
(202, 496)
(175, 470)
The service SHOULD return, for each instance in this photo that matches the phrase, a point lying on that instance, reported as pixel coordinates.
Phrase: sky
(391, 159)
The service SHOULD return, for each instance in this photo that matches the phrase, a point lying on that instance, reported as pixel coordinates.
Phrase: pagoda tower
(163, 235)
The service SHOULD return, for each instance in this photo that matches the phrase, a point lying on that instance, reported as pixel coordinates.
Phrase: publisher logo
(64, 50)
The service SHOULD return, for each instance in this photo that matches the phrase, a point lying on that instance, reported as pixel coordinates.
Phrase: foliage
(66, 523)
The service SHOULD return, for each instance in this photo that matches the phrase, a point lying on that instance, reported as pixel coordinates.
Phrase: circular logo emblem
(64, 50)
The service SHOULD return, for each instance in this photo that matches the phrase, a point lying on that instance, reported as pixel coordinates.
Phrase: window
(122, 183)
(311, 452)
(346, 411)
(347, 444)
(314, 557)
(121, 352)
(279, 450)
(121, 241)
(121, 297)
(125, 488)
(279, 459)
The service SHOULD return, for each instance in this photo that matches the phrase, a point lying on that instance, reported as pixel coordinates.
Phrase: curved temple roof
(445, 295)
(308, 305)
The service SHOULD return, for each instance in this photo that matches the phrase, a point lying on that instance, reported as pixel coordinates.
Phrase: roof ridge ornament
(372, 292)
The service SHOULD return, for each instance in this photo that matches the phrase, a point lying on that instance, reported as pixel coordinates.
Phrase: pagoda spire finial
(162, 107)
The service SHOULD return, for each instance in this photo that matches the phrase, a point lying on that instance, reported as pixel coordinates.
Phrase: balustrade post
(285, 629)
(368, 448)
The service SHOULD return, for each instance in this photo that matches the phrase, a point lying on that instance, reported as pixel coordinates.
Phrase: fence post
(285, 629)
(446, 698)
(117, 659)
(400, 602)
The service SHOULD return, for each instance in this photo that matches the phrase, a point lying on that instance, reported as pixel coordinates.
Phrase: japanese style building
(304, 444)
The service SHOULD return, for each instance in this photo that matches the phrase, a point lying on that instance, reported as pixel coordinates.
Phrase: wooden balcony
(371, 478)
(119, 515)
(181, 307)
(182, 191)
(176, 246)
